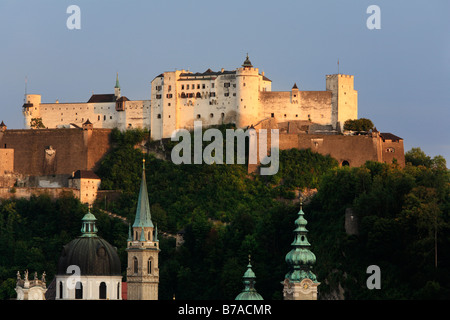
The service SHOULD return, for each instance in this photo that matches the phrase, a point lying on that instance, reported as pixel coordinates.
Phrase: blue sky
(402, 71)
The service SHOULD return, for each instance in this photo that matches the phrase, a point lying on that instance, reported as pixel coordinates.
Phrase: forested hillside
(226, 215)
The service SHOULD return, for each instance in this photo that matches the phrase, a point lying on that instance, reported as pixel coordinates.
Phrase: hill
(402, 214)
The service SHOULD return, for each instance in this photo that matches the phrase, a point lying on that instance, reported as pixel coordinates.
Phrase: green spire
(143, 217)
(300, 258)
(88, 228)
(117, 81)
(249, 292)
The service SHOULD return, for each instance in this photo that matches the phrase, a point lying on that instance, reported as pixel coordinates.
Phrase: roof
(143, 217)
(389, 136)
(247, 63)
(84, 174)
(123, 98)
(92, 254)
(95, 98)
(208, 72)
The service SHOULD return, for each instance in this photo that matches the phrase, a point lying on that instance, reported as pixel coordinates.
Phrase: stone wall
(55, 151)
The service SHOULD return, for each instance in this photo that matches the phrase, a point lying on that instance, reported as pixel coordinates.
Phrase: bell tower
(143, 250)
(300, 282)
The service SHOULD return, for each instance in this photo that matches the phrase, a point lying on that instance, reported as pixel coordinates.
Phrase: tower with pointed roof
(117, 87)
(143, 250)
(248, 84)
(249, 292)
(300, 282)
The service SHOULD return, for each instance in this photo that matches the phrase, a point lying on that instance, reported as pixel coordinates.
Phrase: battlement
(334, 76)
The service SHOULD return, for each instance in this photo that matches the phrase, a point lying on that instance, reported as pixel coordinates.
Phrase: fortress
(178, 98)
(61, 138)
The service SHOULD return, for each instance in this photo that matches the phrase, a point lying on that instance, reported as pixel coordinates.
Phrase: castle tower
(143, 250)
(344, 99)
(247, 93)
(117, 87)
(249, 292)
(31, 108)
(300, 282)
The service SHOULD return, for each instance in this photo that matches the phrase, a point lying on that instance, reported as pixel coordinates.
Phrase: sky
(401, 70)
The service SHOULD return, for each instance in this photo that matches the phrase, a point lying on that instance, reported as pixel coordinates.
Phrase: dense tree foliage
(226, 214)
(361, 124)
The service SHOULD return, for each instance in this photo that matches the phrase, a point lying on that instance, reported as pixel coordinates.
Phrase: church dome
(92, 254)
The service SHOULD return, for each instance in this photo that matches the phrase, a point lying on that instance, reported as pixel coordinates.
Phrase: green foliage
(33, 232)
(36, 123)
(226, 214)
(361, 124)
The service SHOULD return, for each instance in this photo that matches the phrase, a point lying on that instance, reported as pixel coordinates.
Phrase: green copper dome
(249, 292)
(300, 259)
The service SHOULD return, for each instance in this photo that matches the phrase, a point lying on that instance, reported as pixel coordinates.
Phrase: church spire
(117, 81)
(300, 258)
(249, 292)
(143, 217)
(300, 283)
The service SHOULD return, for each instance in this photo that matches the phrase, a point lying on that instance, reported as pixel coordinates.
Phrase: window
(110, 117)
(135, 265)
(98, 118)
(169, 88)
(182, 87)
(102, 291)
(159, 116)
(198, 86)
(187, 87)
(169, 96)
(226, 85)
(212, 94)
(104, 118)
(211, 115)
(158, 96)
(212, 85)
(198, 116)
(198, 95)
(60, 290)
(272, 115)
(149, 266)
(203, 86)
(226, 94)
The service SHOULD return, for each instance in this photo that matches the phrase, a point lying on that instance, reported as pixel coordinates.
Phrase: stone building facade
(178, 98)
(102, 110)
(244, 97)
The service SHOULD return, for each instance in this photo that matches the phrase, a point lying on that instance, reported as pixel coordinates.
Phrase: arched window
(345, 163)
(149, 266)
(118, 290)
(102, 291)
(79, 290)
(135, 265)
(60, 290)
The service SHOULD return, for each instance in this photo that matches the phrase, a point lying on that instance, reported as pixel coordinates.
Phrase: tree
(36, 123)
(417, 157)
(362, 124)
